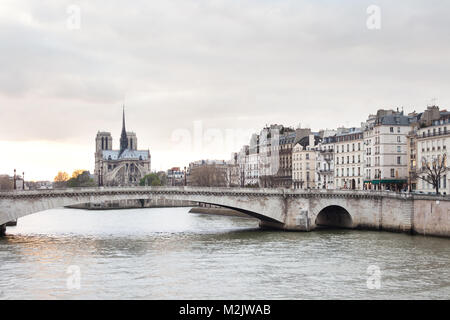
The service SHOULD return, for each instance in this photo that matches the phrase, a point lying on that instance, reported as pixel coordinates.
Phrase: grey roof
(349, 131)
(394, 119)
(287, 138)
(126, 154)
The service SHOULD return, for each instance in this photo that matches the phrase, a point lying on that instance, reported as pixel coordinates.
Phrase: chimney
(311, 140)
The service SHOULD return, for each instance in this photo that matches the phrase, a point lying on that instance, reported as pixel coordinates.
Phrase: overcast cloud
(229, 64)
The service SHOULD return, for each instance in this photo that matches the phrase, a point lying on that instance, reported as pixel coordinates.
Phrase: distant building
(325, 160)
(233, 171)
(175, 177)
(7, 183)
(124, 167)
(349, 159)
(252, 165)
(242, 158)
(40, 185)
(304, 162)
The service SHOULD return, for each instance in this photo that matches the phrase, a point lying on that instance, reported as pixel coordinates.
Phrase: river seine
(172, 254)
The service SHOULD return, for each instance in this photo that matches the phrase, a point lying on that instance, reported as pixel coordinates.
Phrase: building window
(398, 160)
(391, 129)
(392, 173)
(399, 149)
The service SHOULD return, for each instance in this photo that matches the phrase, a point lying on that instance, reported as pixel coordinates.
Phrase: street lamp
(15, 186)
(185, 176)
(23, 180)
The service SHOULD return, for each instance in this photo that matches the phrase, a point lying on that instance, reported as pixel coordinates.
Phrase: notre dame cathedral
(124, 167)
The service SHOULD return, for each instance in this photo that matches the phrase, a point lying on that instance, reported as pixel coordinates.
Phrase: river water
(171, 254)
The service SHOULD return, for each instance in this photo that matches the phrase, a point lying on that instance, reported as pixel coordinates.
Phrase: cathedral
(124, 167)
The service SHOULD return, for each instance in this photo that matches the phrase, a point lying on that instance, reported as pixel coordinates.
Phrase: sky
(198, 77)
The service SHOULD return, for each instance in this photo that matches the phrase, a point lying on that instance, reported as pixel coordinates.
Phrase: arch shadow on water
(334, 217)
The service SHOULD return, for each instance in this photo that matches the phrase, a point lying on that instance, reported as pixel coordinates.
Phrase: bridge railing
(231, 191)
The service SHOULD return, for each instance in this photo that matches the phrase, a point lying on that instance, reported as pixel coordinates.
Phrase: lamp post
(185, 176)
(23, 180)
(15, 186)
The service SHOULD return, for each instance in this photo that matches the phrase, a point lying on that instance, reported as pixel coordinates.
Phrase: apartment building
(349, 159)
(325, 161)
(432, 143)
(385, 146)
(304, 162)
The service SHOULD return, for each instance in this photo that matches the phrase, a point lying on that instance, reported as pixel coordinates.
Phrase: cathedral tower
(123, 136)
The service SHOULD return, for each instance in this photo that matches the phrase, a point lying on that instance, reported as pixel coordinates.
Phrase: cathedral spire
(123, 136)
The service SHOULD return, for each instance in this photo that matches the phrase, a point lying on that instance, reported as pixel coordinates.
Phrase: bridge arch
(14, 205)
(334, 216)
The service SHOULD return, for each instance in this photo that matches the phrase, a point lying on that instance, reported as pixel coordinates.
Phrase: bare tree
(432, 171)
(5, 183)
(209, 176)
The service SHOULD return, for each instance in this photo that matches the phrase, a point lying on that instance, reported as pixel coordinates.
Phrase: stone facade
(122, 167)
(385, 144)
(325, 162)
(304, 163)
(349, 159)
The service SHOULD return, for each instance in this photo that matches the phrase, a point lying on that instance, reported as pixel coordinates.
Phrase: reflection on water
(170, 254)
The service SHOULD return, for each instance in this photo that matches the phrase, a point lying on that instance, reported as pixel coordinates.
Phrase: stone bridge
(287, 209)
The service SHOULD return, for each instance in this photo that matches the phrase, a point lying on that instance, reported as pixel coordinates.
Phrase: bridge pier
(2, 230)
